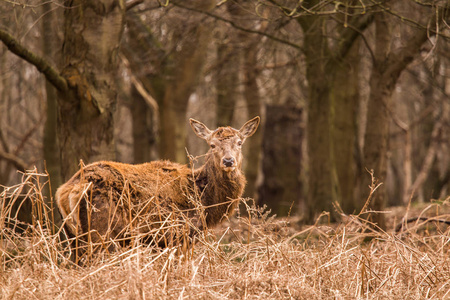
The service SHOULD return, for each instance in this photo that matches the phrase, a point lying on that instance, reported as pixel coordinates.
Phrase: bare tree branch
(16, 161)
(40, 63)
(427, 163)
(399, 60)
(351, 32)
(272, 37)
(140, 88)
(441, 11)
(132, 3)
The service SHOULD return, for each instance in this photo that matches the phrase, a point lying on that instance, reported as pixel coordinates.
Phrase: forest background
(346, 90)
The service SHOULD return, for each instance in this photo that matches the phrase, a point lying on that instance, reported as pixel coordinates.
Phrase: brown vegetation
(109, 201)
(248, 257)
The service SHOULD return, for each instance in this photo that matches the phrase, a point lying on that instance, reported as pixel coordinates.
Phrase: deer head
(226, 142)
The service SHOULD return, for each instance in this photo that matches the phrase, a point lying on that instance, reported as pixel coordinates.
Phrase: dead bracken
(251, 256)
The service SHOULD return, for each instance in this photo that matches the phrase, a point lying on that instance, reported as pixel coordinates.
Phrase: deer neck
(217, 186)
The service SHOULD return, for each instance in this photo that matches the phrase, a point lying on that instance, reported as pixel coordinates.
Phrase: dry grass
(248, 257)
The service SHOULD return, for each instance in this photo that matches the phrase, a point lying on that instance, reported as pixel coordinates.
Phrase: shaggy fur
(107, 200)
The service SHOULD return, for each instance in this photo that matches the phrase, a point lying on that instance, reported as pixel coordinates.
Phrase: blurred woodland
(345, 89)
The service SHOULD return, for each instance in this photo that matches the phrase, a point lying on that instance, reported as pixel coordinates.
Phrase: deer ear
(249, 128)
(200, 129)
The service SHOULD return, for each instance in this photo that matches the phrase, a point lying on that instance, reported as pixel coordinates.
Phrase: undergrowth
(251, 256)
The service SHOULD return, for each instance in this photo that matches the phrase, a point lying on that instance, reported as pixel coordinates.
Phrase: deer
(105, 202)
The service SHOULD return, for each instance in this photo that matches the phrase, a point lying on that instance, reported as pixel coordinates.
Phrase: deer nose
(228, 162)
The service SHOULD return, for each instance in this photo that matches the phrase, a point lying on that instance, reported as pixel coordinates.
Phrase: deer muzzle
(229, 163)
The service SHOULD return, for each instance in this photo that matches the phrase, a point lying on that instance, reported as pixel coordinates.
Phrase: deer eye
(239, 143)
(213, 146)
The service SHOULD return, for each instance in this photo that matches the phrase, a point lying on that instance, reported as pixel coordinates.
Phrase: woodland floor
(247, 257)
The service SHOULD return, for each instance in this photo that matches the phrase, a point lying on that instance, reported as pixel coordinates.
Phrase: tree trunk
(184, 73)
(437, 184)
(344, 102)
(253, 99)
(51, 145)
(322, 189)
(377, 131)
(144, 133)
(177, 74)
(387, 67)
(245, 53)
(142, 53)
(173, 132)
(92, 34)
(331, 106)
(281, 189)
(376, 145)
(6, 87)
(229, 59)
